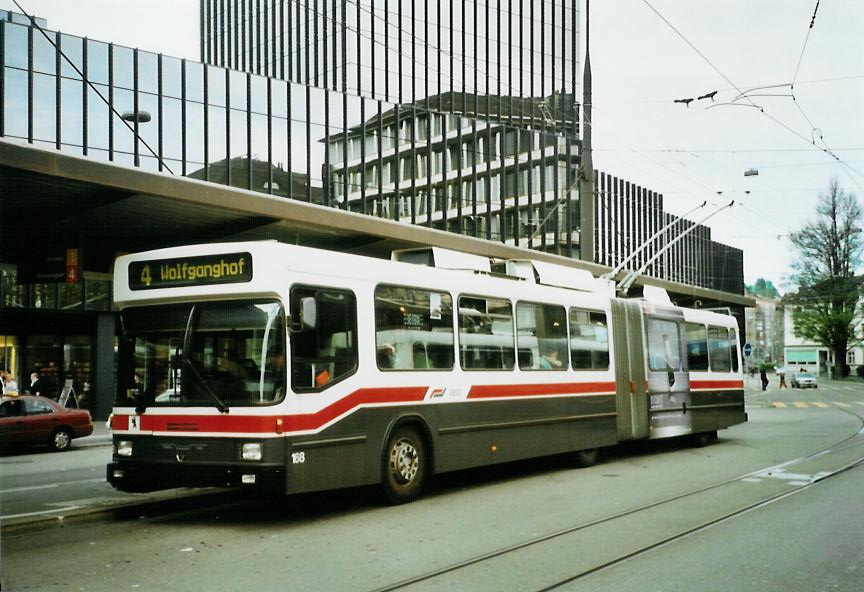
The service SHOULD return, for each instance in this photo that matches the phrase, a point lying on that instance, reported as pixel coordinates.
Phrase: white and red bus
(290, 369)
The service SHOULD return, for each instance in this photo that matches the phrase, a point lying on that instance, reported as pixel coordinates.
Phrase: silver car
(804, 380)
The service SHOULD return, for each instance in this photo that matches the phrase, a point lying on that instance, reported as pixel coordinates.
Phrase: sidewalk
(101, 436)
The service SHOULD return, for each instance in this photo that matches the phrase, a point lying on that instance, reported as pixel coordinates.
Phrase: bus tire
(587, 458)
(702, 439)
(404, 465)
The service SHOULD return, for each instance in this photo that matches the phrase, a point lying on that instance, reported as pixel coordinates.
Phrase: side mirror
(308, 313)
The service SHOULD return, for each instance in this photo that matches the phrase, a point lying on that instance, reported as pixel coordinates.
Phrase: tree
(830, 250)
(764, 288)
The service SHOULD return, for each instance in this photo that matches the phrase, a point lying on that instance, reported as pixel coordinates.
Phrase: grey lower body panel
(695, 413)
(460, 436)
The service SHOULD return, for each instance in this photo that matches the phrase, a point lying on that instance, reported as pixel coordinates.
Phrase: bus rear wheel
(405, 465)
(702, 439)
(587, 458)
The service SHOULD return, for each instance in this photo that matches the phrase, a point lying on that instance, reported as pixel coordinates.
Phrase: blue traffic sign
(748, 349)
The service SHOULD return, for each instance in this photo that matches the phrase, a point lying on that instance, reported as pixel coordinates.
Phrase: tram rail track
(853, 439)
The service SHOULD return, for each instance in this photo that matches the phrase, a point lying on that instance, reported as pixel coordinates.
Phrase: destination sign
(231, 268)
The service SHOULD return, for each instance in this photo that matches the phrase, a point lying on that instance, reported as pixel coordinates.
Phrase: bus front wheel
(404, 465)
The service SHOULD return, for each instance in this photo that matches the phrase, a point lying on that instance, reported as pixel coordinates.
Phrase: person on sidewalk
(10, 387)
(764, 378)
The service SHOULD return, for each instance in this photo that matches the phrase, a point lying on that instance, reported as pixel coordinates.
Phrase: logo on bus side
(440, 393)
(228, 268)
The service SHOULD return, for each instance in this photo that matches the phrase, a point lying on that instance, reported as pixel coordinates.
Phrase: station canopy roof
(50, 201)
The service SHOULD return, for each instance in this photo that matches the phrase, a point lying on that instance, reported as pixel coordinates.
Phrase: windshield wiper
(222, 407)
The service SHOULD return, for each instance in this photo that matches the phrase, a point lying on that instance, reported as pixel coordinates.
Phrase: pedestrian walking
(764, 377)
(782, 385)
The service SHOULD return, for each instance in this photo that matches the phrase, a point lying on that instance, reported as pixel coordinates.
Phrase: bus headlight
(251, 451)
(123, 448)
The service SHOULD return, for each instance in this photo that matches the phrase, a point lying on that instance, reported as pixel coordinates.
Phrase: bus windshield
(229, 353)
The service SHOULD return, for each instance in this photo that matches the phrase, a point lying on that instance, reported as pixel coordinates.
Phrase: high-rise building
(463, 117)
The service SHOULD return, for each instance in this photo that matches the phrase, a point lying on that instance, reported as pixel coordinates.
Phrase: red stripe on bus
(266, 424)
(491, 391)
(716, 384)
(311, 421)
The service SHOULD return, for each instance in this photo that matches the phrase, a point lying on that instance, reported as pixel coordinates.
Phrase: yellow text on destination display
(190, 271)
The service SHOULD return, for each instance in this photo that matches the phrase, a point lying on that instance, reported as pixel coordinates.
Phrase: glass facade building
(492, 155)
(458, 116)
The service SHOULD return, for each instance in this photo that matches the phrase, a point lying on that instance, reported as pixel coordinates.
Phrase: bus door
(631, 398)
(668, 379)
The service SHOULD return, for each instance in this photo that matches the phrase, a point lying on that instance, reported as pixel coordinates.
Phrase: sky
(645, 54)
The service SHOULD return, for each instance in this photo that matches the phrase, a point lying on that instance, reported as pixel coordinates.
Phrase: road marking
(841, 404)
(50, 485)
(821, 405)
(778, 405)
(797, 479)
(66, 509)
(800, 405)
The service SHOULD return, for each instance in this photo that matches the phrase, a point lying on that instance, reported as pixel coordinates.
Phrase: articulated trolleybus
(288, 369)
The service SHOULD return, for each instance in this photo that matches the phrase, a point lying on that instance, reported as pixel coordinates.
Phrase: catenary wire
(761, 109)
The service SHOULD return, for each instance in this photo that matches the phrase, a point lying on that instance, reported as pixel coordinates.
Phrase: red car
(29, 419)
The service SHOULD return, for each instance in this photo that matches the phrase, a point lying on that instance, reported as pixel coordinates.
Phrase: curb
(91, 442)
(28, 523)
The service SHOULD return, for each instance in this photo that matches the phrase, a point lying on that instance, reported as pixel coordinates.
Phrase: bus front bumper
(142, 477)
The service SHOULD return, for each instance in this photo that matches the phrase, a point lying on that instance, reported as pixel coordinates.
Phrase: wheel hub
(404, 461)
(61, 440)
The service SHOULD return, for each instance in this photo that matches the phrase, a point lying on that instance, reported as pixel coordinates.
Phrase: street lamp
(136, 116)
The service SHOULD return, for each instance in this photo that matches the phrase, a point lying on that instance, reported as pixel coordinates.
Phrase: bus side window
(718, 349)
(663, 345)
(542, 328)
(697, 347)
(589, 340)
(327, 353)
(733, 349)
(413, 329)
(485, 333)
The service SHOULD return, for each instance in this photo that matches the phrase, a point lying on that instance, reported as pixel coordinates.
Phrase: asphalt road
(762, 509)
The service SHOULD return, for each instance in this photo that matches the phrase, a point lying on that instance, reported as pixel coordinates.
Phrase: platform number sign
(748, 349)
